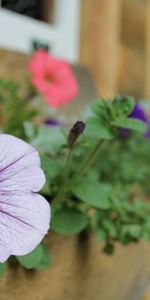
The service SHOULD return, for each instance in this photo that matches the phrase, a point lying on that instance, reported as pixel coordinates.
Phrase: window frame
(17, 32)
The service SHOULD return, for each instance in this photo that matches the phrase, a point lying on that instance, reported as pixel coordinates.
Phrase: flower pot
(80, 271)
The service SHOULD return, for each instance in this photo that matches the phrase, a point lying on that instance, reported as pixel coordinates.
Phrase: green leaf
(46, 190)
(109, 248)
(29, 129)
(130, 123)
(49, 139)
(68, 221)
(96, 129)
(134, 230)
(34, 259)
(123, 106)
(92, 192)
(146, 234)
(3, 267)
(98, 106)
(101, 235)
(110, 227)
(129, 104)
(50, 166)
(46, 260)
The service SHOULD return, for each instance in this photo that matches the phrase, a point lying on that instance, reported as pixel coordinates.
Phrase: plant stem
(68, 162)
(91, 156)
(66, 174)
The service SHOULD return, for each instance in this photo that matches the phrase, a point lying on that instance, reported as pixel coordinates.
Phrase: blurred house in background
(112, 38)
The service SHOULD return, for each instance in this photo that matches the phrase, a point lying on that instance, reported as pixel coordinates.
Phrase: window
(27, 24)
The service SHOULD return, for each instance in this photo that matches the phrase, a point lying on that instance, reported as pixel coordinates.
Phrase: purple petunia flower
(53, 122)
(137, 113)
(24, 215)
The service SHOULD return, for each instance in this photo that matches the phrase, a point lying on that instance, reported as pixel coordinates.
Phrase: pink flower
(24, 215)
(53, 78)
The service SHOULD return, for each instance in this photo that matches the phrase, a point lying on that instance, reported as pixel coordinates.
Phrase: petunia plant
(97, 172)
(82, 190)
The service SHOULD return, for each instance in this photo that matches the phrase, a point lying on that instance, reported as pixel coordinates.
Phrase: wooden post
(100, 33)
(133, 22)
(132, 48)
(147, 296)
(147, 56)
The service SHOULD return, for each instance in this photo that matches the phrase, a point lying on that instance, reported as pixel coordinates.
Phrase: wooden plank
(131, 70)
(133, 22)
(13, 65)
(81, 271)
(100, 33)
(147, 56)
(147, 297)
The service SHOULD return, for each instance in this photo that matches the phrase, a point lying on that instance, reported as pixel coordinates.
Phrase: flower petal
(4, 252)
(38, 62)
(53, 78)
(19, 165)
(24, 221)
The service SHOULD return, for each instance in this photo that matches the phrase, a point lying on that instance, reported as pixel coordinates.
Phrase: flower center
(49, 78)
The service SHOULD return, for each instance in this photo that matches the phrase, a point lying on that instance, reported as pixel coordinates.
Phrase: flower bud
(75, 132)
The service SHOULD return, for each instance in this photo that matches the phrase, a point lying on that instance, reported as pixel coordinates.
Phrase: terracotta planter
(81, 271)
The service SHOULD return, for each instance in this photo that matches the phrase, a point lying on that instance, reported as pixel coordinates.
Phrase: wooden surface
(147, 58)
(133, 22)
(131, 78)
(100, 30)
(81, 271)
(115, 45)
(147, 296)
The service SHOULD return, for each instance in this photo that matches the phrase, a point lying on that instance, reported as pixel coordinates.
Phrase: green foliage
(46, 260)
(109, 248)
(126, 221)
(92, 182)
(119, 107)
(49, 140)
(95, 129)
(15, 109)
(97, 182)
(50, 166)
(129, 162)
(92, 192)
(52, 169)
(29, 130)
(68, 221)
(130, 123)
(123, 106)
(3, 268)
(37, 259)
